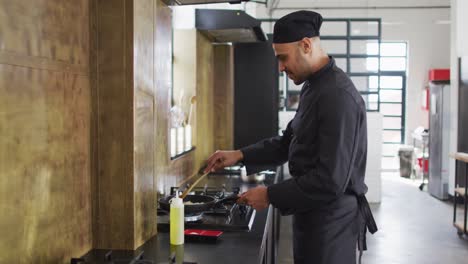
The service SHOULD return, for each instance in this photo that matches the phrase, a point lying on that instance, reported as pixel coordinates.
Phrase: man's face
(292, 61)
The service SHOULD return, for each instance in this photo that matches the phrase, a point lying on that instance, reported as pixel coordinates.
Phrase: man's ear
(306, 45)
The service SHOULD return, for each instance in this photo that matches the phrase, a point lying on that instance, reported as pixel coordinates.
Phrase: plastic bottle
(176, 218)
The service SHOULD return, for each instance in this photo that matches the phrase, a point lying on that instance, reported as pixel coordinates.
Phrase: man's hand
(221, 159)
(256, 197)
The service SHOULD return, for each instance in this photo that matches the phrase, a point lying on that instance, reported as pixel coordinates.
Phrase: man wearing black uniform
(326, 146)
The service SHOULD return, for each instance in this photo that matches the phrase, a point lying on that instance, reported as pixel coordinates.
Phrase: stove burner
(225, 216)
(193, 217)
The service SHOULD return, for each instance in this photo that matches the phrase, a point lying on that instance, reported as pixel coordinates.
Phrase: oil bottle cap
(176, 201)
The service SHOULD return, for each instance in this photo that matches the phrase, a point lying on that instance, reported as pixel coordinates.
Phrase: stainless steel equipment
(439, 136)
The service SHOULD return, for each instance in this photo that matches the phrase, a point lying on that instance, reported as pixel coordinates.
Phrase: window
(392, 81)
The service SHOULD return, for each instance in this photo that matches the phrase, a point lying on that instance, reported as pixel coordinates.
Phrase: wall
(113, 225)
(224, 96)
(360, 3)
(205, 109)
(45, 123)
(144, 191)
(134, 58)
(84, 122)
(461, 21)
(373, 178)
(185, 67)
(427, 32)
(193, 75)
(459, 48)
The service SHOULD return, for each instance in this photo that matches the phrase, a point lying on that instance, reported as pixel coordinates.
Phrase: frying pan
(202, 202)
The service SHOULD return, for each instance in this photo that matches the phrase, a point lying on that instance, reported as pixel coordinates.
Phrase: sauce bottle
(176, 218)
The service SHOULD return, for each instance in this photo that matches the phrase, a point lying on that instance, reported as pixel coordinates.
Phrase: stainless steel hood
(199, 2)
(228, 26)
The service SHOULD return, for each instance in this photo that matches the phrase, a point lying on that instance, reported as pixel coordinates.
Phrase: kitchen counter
(232, 247)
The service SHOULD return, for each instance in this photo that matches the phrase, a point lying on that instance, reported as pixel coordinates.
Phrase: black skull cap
(296, 26)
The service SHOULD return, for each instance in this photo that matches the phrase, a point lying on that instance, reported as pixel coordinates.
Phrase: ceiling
(355, 3)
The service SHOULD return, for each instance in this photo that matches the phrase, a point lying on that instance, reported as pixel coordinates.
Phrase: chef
(326, 147)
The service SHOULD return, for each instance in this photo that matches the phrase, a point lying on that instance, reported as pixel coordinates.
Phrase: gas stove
(112, 257)
(225, 217)
(104, 256)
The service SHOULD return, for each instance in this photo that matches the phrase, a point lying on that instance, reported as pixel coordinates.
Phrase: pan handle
(232, 197)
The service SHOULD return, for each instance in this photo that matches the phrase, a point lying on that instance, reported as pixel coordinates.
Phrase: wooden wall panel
(223, 97)
(50, 33)
(144, 127)
(204, 133)
(84, 143)
(45, 123)
(115, 183)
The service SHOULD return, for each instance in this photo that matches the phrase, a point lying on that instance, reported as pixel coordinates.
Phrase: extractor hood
(200, 2)
(228, 26)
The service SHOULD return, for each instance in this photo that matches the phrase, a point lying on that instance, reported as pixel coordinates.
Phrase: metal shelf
(461, 192)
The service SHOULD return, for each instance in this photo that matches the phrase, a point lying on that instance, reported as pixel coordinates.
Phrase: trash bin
(406, 154)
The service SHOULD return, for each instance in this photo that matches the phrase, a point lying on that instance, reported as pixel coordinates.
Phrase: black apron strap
(368, 223)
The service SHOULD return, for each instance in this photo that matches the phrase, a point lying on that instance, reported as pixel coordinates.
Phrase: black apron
(327, 236)
(330, 236)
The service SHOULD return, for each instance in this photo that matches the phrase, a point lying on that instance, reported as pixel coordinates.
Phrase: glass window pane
(364, 28)
(334, 46)
(361, 83)
(341, 63)
(390, 109)
(371, 102)
(364, 65)
(392, 122)
(372, 64)
(373, 82)
(391, 82)
(333, 28)
(373, 48)
(373, 98)
(390, 96)
(392, 136)
(393, 64)
(364, 47)
(393, 49)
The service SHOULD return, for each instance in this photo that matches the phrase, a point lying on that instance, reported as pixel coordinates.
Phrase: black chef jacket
(326, 146)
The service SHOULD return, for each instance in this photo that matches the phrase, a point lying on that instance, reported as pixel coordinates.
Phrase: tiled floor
(414, 228)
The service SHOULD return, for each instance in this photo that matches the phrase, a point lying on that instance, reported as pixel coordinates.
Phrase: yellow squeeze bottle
(176, 218)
